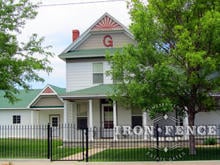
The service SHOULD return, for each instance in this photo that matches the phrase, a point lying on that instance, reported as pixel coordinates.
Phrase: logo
(167, 135)
(108, 41)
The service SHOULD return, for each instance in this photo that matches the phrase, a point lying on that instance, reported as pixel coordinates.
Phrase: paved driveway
(46, 162)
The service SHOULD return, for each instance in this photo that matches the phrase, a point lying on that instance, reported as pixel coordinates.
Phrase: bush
(210, 141)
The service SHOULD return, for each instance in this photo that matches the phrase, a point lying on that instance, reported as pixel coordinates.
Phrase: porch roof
(99, 91)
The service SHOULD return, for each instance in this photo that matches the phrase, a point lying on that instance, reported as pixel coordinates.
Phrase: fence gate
(66, 143)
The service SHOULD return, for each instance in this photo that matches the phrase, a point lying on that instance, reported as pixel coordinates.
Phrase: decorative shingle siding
(96, 41)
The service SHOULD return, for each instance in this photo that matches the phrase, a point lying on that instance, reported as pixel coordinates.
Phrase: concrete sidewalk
(47, 162)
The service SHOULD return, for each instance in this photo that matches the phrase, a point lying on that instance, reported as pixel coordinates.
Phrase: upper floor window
(16, 119)
(97, 73)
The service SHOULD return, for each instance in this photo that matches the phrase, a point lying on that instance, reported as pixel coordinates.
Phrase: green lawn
(147, 154)
(32, 148)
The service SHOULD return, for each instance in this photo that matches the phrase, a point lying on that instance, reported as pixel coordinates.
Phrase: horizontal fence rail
(67, 142)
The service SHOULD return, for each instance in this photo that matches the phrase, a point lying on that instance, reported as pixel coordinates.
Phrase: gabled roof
(27, 97)
(104, 24)
(99, 91)
(53, 90)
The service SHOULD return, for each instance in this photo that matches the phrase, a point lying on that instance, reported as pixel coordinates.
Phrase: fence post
(83, 147)
(87, 144)
(157, 137)
(48, 141)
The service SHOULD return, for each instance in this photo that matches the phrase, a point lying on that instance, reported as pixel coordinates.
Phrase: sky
(56, 23)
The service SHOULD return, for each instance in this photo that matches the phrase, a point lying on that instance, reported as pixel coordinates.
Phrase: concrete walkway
(79, 156)
(47, 162)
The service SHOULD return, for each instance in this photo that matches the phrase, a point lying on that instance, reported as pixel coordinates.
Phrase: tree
(19, 62)
(176, 59)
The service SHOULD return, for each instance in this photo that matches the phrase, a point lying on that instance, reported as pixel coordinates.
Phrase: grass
(34, 148)
(61, 152)
(150, 154)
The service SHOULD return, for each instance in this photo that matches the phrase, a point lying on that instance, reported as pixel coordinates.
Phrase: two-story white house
(86, 102)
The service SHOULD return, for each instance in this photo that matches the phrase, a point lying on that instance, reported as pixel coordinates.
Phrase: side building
(35, 108)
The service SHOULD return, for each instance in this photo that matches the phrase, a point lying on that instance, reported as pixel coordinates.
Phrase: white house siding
(35, 117)
(205, 118)
(9, 130)
(95, 41)
(96, 114)
(7, 119)
(69, 115)
(44, 116)
(73, 118)
(209, 118)
(107, 78)
(72, 113)
(124, 116)
(79, 75)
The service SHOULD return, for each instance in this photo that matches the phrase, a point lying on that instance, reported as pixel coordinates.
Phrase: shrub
(210, 141)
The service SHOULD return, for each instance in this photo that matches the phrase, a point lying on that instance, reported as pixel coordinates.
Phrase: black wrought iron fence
(66, 142)
(71, 144)
(24, 141)
(159, 143)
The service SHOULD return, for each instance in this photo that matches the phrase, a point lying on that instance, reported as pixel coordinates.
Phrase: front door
(107, 120)
(54, 121)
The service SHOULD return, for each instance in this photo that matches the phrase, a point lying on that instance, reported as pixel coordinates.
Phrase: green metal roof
(102, 90)
(58, 90)
(25, 98)
(88, 53)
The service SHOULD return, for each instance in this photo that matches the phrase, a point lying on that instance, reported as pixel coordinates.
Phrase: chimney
(75, 34)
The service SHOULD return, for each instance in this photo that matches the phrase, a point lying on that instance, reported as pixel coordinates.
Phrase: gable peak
(48, 90)
(106, 22)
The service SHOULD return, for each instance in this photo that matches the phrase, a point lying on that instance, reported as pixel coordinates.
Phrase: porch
(91, 108)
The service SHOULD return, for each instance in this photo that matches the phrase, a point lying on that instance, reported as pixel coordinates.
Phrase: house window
(81, 116)
(16, 119)
(54, 120)
(136, 118)
(97, 73)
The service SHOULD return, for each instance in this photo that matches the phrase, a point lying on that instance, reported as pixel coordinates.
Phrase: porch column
(185, 124)
(144, 116)
(114, 120)
(90, 120)
(65, 113)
